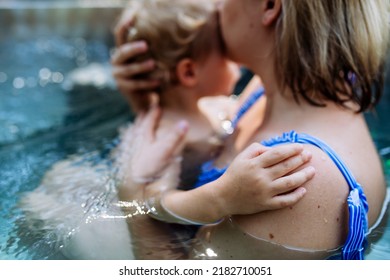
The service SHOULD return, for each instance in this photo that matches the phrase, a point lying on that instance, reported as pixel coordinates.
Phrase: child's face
(217, 75)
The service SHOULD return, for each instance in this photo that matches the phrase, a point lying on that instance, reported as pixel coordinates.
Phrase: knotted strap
(353, 248)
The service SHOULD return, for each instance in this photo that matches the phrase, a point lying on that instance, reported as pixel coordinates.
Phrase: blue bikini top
(354, 247)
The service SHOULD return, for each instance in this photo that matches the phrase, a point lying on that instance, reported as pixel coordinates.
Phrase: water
(58, 99)
(379, 125)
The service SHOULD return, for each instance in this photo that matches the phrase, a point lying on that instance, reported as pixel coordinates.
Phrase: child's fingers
(291, 182)
(290, 164)
(253, 150)
(289, 199)
(278, 154)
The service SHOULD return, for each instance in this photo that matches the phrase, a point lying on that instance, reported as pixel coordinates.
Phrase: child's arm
(259, 179)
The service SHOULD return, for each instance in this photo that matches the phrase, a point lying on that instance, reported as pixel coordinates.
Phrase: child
(189, 66)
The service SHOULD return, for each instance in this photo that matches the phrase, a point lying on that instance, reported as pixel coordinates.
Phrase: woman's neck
(283, 114)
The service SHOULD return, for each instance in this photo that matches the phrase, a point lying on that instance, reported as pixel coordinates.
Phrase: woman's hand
(136, 91)
(262, 178)
(150, 153)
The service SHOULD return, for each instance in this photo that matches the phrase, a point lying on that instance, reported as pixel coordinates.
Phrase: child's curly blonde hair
(173, 30)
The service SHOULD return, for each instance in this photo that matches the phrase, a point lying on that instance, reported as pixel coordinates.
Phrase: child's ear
(186, 72)
(271, 11)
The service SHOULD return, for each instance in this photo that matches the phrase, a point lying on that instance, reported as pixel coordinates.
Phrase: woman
(184, 40)
(318, 61)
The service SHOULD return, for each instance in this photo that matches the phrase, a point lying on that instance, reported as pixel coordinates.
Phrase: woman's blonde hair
(173, 30)
(333, 47)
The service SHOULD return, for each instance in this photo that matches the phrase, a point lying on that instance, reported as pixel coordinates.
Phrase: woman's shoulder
(318, 221)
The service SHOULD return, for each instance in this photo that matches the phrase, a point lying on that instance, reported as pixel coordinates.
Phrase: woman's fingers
(121, 28)
(136, 90)
(128, 51)
(278, 154)
(150, 123)
(132, 69)
(137, 87)
(285, 185)
(175, 140)
(145, 124)
(139, 120)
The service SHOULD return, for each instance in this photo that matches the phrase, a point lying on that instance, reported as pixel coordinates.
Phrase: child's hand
(262, 178)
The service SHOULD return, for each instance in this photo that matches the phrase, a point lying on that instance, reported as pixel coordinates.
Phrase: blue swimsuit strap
(209, 172)
(247, 105)
(357, 202)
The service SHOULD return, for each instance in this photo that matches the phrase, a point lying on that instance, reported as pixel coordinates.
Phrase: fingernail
(183, 126)
(310, 170)
(306, 155)
(141, 45)
(150, 64)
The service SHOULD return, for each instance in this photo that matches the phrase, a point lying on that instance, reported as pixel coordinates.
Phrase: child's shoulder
(217, 107)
